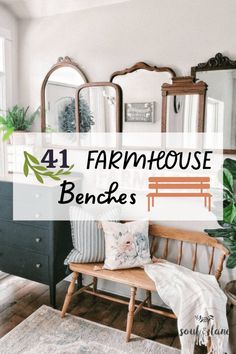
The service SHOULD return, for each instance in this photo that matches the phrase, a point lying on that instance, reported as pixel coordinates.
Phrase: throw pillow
(88, 236)
(126, 245)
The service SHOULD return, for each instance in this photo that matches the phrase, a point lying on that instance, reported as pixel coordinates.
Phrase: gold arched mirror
(58, 93)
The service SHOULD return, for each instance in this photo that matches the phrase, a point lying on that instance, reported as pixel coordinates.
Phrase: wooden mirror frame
(184, 85)
(61, 63)
(144, 66)
(218, 62)
(118, 102)
(140, 66)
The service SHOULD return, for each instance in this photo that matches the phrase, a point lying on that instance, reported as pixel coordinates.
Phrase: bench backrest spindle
(194, 257)
(165, 253)
(180, 253)
(192, 237)
(211, 260)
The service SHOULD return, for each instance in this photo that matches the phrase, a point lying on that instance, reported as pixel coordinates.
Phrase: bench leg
(148, 203)
(95, 282)
(209, 203)
(149, 300)
(209, 347)
(130, 316)
(69, 294)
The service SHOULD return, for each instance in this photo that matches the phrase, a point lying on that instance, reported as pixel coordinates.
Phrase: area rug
(44, 332)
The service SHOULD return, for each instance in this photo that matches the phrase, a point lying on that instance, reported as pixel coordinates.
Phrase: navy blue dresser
(33, 250)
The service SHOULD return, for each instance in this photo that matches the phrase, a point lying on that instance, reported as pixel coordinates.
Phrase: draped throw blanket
(197, 301)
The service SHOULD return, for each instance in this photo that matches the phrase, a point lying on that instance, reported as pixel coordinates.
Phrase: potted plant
(17, 119)
(227, 230)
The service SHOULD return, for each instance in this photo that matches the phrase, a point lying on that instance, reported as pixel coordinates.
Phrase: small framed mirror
(98, 108)
(142, 100)
(58, 93)
(183, 105)
(219, 72)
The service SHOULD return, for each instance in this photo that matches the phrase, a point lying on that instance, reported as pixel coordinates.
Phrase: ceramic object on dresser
(33, 250)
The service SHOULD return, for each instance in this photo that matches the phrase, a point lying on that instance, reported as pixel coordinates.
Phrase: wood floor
(19, 298)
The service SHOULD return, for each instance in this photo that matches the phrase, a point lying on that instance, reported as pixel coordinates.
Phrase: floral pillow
(126, 245)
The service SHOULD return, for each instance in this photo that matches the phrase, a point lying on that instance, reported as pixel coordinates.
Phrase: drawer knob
(37, 215)
(38, 265)
(38, 239)
(37, 195)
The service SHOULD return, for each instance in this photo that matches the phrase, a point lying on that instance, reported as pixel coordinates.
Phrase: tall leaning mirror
(219, 72)
(183, 105)
(58, 96)
(142, 100)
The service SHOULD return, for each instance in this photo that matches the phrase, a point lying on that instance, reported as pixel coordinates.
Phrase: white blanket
(197, 301)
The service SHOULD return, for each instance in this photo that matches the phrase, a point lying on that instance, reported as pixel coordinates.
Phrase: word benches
(199, 184)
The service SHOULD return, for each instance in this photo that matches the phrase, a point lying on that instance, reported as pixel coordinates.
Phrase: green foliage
(67, 117)
(228, 225)
(41, 171)
(86, 117)
(16, 118)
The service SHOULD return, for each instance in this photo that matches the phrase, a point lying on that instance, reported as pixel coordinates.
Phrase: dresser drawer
(6, 189)
(25, 264)
(6, 213)
(24, 236)
(6, 209)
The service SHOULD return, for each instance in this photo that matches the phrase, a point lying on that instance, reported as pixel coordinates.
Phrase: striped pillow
(88, 236)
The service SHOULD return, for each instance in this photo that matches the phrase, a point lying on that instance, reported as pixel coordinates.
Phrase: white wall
(179, 34)
(9, 30)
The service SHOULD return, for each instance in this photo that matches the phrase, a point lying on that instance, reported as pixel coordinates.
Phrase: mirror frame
(144, 66)
(184, 85)
(61, 63)
(218, 62)
(139, 66)
(118, 104)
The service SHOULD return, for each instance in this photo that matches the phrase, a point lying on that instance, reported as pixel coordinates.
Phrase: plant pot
(18, 137)
(29, 138)
(230, 290)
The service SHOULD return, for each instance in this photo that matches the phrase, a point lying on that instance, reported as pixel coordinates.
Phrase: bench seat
(133, 277)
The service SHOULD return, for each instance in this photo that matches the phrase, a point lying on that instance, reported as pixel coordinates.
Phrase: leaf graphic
(55, 178)
(59, 172)
(41, 171)
(39, 178)
(33, 158)
(49, 174)
(40, 168)
(26, 169)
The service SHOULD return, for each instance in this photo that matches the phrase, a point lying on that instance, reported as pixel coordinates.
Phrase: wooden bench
(137, 278)
(197, 183)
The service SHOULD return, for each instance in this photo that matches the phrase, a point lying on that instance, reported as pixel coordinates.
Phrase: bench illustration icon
(197, 186)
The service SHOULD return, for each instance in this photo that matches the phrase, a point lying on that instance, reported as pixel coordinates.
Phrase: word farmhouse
(122, 160)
